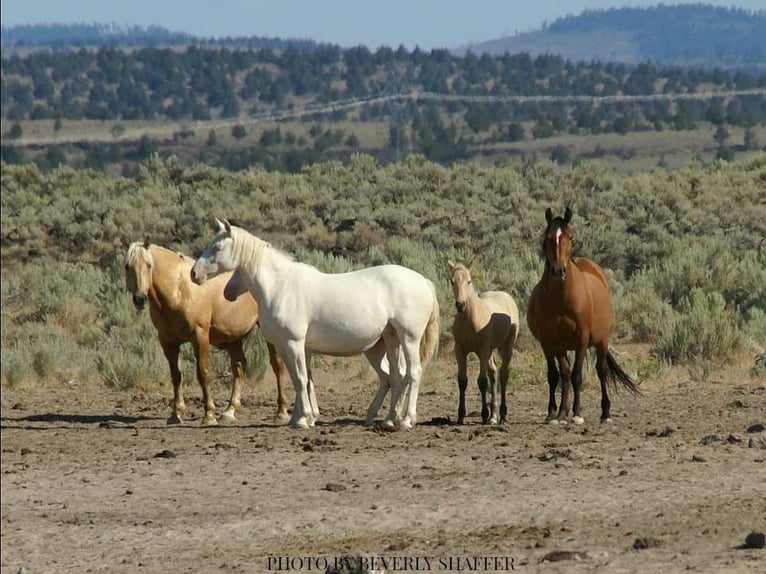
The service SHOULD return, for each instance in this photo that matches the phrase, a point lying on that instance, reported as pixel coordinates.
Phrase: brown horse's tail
(617, 374)
(429, 344)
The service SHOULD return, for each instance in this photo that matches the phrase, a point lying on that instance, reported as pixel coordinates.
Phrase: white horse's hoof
(578, 420)
(227, 417)
(406, 424)
(301, 423)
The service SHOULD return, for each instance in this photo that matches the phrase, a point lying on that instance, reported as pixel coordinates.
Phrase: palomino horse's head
(462, 285)
(217, 257)
(557, 243)
(138, 272)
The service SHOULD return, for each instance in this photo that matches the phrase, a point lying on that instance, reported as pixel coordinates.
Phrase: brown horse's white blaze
(484, 322)
(183, 312)
(570, 309)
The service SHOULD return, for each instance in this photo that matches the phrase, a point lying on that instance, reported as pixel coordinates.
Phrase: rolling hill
(685, 35)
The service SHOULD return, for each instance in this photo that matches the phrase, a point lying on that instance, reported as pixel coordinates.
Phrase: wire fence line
(166, 130)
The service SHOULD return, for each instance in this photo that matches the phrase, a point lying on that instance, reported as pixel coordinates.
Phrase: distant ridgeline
(97, 35)
(686, 35)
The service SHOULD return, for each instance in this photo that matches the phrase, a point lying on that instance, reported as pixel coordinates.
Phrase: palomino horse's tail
(617, 374)
(429, 344)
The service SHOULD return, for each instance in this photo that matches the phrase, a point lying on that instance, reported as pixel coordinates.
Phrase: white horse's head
(138, 272)
(217, 257)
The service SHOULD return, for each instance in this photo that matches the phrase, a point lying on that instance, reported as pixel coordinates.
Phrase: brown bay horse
(484, 322)
(570, 309)
(184, 312)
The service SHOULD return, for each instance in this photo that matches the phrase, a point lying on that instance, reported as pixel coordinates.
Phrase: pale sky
(425, 23)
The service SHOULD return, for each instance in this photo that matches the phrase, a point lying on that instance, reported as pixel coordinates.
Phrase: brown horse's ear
(548, 214)
(567, 215)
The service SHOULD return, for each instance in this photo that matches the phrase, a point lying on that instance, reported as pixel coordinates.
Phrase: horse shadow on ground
(90, 419)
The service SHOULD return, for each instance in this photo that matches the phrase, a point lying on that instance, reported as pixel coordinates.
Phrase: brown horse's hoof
(606, 421)
(578, 420)
(174, 420)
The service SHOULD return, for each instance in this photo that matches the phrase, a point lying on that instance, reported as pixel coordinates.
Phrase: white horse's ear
(219, 226)
(227, 226)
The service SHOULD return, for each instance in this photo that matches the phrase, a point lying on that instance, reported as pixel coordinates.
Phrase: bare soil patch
(94, 481)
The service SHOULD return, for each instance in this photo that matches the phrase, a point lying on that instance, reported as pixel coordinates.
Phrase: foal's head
(138, 272)
(462, 286)
(557, 243)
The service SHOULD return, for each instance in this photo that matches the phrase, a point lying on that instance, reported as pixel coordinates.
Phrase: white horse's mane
(247, 247)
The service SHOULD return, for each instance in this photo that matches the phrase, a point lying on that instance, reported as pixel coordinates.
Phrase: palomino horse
(183, 312)
(303, 311)
(484, 322)
(571, 309)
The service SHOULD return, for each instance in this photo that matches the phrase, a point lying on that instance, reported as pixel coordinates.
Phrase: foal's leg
(553, 381)
(566, 383)
(506, 354)
(494, 395)
(295, 361)
(461, 357)
(278, 366)
(577, 385)
(602, 348)
(201, 345)
(179, 408)
(238, 365)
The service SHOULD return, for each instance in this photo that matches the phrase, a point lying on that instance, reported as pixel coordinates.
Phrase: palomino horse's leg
(375, 356)
(411, 348)
(566, 384)
(462, 380)
(179, 407)
(238, 365)
(602, 348)
(311, 387)
(553, 381)
(279, 372)
(577, 385)
(202, 355)
(295, 362)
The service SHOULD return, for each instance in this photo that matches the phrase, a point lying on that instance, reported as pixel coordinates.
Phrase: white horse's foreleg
(295, 361)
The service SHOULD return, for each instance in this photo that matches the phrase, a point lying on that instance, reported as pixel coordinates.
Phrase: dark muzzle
(139, 301)
(460, 306)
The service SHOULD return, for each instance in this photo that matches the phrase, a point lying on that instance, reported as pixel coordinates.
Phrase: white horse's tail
(429, 344)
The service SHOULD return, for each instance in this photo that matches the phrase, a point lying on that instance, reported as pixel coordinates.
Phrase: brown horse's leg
(602, 349)
(279, 372)
(566, 384)
(553, 382)
(238, 366)
(179, 408)
(202, 354)
(462, 381)
(577, 385)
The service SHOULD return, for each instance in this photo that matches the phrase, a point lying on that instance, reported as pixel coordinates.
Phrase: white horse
(379, 311)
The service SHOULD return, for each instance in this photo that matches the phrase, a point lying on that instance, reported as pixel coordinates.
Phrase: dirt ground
(94, 481)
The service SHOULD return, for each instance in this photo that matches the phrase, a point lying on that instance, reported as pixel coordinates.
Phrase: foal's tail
(429, 344)
(617, 374)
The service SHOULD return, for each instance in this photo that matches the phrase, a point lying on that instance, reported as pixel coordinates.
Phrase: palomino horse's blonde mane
(138, 250)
